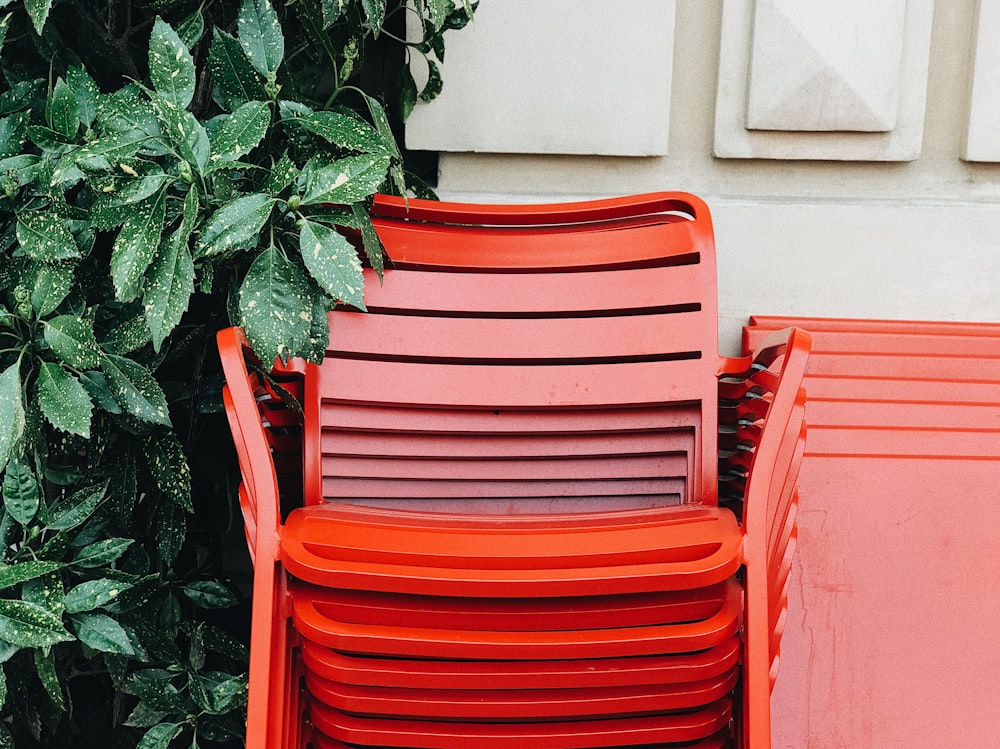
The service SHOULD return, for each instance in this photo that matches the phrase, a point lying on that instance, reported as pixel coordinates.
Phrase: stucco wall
(884, 217)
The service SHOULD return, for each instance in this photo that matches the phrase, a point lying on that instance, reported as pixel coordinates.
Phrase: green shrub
(167, 169)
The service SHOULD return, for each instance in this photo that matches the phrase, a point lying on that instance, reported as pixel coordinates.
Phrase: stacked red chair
(497, 522)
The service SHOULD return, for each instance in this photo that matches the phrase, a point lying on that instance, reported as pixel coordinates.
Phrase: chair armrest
(259, 496)
(767, 414)
(776, 375)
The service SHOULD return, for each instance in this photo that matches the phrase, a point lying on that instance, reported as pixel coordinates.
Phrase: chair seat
(519, 704)
(710, 621)
(721, 740)
(520, 674)
(657, 730)
(349, 547)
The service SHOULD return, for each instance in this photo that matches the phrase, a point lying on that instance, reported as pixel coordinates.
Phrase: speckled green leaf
(78, 507)
(232, 72)
(21, 493)
(86, 92)
(4, 27)
(159, 736)
(29, 625)
(346, 131)
(21, 94)
(46, 591)
(344, 181)
(64, 401)
(191, 29)
(260, 35)
(102, 633)
(45, 237)
(439, 10)
(129, 333)
(210, 594)
(169, 468)
(275, 304)
(13, 132)
(18, 573)
(406, 92)
(38, 11)
(63, 110)
(319, 328)
(101, 553)
(93, 594)
(333, 262)
(170, 280)
(126, 111)
(184, 130)
(11, 411)
(96, 385)
(331, 10)
(23, 168)
(135, 389)
(434, 83)
(45, 667)
(136, 245)
(100, 154)
(143, 716)
(53, 282)
(235, 226)
(218, 695)
(375, 13)
(48, 139)
(374, 250)
(171, 68)
(72, 339)
(241, 132)
(170, 521)
(381, 121)
(283, 172)
(122, 191)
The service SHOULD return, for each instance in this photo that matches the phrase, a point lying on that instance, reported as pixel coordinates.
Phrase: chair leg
(268, 719)
(756, 698)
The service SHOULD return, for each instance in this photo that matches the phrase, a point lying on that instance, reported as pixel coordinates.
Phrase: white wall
(858, 200)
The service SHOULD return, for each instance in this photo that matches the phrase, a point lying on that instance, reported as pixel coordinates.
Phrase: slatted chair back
(528, 358)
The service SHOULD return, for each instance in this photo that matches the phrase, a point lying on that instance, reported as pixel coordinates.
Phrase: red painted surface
(891, 636)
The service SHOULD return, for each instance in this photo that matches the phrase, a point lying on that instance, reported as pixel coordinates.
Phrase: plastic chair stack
(509, 532)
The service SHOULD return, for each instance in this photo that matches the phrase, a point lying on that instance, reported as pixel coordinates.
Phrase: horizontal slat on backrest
(517, 387)
(629, 208)
(491, 339)
(385, 418)
(558, 469)
(541, 247)
(538, 294)
(670, 489)
(489, 445)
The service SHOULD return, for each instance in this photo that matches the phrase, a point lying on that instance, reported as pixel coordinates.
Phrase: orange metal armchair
(505, 529)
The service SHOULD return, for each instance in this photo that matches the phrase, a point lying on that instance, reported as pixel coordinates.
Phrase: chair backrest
(588, 328)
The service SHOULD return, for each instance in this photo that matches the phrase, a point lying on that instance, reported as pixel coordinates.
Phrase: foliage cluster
(166, 168)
